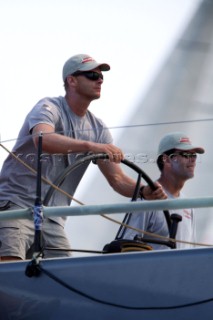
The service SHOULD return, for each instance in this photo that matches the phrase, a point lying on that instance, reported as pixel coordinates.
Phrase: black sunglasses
(187, 155)
(91, 75)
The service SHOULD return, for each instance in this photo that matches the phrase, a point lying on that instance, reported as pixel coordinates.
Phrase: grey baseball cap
(82, 62)
(179, 141)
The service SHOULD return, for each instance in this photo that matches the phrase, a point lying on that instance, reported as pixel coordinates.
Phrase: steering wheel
(94, 157)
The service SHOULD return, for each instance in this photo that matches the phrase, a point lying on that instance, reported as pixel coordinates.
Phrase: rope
(117, 305)
(102, 215)
(154, 234)
(43, 179)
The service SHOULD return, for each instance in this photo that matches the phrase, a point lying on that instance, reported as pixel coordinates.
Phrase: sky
(37, 37)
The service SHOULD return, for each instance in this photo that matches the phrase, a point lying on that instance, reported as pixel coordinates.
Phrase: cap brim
(104, 67)
(192, 148)
(94, 65)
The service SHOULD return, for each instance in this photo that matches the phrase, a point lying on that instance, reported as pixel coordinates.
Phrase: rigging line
(154, 234)
(43, 179)
(160, 123)
(74, 250)
(126, 127)
(36, 134)
(117, 305)
(102, 215)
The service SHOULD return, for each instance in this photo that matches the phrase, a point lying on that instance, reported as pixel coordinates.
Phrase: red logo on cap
(88, 59)
(185, 140)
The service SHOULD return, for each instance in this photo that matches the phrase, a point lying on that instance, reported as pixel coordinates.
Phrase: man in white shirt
(176, 161)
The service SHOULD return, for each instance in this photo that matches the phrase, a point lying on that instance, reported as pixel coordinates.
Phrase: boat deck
(170, 284)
